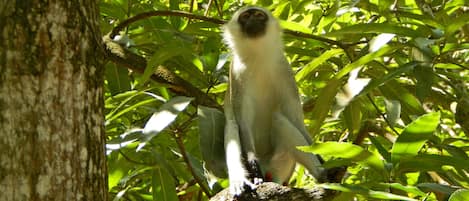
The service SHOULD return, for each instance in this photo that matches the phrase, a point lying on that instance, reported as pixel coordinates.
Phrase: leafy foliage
(384, 85)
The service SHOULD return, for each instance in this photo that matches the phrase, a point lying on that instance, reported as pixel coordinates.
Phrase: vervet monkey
(264, 117)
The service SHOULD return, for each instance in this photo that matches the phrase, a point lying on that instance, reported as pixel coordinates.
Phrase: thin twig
(208, 7)
(145, 15)
(314, 37)
(181, 146)
(177, 134)
(382, 114)
(189, 15)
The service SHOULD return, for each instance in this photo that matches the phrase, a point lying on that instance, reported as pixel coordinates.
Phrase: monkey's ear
(212, 140)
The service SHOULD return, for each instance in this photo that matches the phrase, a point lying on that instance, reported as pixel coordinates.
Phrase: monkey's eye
(244, 16)
(259, 14)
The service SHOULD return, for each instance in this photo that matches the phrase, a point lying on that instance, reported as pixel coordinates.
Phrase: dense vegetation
(384, 86)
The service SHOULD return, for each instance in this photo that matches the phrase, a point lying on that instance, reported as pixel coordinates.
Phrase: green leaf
(457, 23)
(377, 28)
(158, 58)
(441, 189)
(165, 115)
(459, 195)
(349, 151)
(211, 139)
(118, 167)
(126, 108)
(414, 136)
(311, 66)
(394, 90)
(117, 78)
(163, 185)
(360, 189)
(393, 111)
(427, 20)
(374, 83)
(447, 66)
(409, 189)
(282, 10)
(294, 26)
(432, 162)
(424, 75)
(366, 59)
(382, 151)
(323, 104)
(379, 41)
(353, 116)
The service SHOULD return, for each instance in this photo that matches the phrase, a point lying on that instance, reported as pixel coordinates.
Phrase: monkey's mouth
(254, 29)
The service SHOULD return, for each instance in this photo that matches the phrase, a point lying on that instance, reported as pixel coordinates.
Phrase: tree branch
(145, 15)
(116, 53)
(149, 14)
(269, 191)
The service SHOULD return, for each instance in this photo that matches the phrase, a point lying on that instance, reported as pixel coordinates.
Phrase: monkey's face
(253, 22)
(252, 31)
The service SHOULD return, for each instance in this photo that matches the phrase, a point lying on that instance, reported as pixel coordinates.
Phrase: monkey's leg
(237, 173)
(290, 137)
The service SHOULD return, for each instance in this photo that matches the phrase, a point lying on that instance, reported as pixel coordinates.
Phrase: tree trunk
(51, 101)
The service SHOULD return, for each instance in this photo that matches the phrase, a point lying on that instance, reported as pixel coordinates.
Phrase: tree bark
(52, 139)
(269, 191)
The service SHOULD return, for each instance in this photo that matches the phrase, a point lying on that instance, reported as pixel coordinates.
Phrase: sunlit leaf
(379, 41)
(377, 28)
(305, 71)
(357, 189)
(349, 151)
(166, 114)
(294, 26)
(457, 23)
(117, 113)
(409, 189)
(459, 195)
(432, 162)
(365, 59)
(414, 136)
(323, 104)
(410, 105)
(163, 185)
(447, 66)
(374, 83)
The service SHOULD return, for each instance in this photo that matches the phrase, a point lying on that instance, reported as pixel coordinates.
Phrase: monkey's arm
(236, 171)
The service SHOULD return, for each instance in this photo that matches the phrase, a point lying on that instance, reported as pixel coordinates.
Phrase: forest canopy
(384, 87)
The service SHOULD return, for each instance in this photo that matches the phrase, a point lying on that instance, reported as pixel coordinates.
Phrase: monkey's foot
(237, 186)
(238, 181)
(256, 181)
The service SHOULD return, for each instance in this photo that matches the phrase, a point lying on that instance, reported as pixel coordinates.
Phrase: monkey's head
(252, 22)
(252, 26)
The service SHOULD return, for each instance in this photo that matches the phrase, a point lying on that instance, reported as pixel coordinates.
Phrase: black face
(253, 22)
